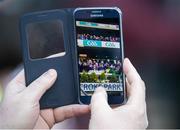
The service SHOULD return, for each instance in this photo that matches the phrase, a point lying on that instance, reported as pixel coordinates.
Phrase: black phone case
(64, 90)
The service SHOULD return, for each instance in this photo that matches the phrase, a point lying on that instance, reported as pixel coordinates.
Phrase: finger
(130, 72)
(65, 112)
(136, 94)
(38, 87)
(48, 116)
(99, 102)
(41, 124)
(18, 83)
(135, 85)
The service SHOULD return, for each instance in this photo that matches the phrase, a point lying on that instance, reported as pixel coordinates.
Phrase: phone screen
(99, 53)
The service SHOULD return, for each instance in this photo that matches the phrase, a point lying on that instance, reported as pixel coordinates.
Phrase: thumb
(38, 87)
(99, 102)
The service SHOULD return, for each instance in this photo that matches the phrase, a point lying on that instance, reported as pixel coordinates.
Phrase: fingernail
(126, 59)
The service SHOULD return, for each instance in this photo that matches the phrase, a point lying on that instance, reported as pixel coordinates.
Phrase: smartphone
(99, 53)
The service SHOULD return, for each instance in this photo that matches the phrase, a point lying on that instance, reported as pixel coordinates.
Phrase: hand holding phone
(88, 54)
(132, 115)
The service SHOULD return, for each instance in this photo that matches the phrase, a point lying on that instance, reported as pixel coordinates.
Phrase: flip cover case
(64, 91)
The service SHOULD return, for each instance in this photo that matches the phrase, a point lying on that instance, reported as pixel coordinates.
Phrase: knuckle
(37, 82)
(41, 81)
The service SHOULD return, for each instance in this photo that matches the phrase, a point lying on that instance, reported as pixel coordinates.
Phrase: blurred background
(151, 38)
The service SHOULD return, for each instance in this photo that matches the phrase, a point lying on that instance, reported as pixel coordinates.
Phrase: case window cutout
(45, 39)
